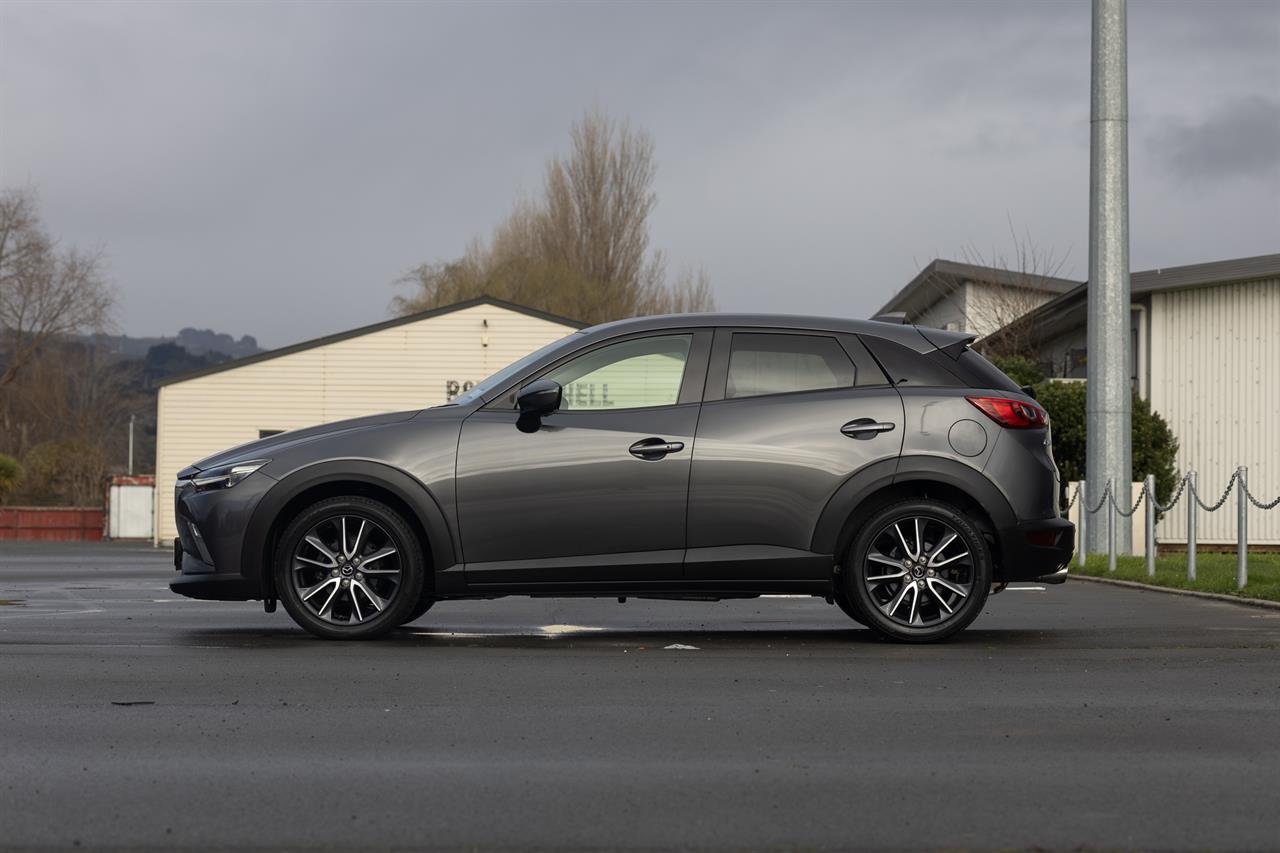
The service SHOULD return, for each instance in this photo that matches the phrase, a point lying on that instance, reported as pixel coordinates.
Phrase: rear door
(787, 417)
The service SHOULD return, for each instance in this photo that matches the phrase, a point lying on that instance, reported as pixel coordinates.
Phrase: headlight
(226, 476)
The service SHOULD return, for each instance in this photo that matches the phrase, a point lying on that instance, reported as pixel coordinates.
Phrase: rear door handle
(864, 428)
(655, 448)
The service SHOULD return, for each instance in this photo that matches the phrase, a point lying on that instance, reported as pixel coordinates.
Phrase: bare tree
(582, 248)
(1011, 284)
(69, 408)
(43, 292)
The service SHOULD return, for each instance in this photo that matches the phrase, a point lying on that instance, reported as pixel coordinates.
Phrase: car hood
(266, 447)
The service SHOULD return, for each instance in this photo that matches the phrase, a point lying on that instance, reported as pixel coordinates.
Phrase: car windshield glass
(506, 374)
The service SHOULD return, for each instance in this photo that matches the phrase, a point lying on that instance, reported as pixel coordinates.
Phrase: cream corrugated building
(1204, 351)
(407, 363)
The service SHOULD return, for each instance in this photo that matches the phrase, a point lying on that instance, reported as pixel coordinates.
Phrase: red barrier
(56, 523)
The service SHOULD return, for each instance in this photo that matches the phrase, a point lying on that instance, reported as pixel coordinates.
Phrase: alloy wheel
(346, 569)
(918, 571)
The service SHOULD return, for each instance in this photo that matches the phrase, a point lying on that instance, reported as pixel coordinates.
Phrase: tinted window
(982, 373)
(866, 371)
(906, 366)
(781, 364)
(632, 374)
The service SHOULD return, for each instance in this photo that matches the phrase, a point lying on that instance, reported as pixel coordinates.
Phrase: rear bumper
(1034, 549)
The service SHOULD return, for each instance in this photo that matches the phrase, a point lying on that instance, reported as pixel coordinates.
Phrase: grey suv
(889, 469)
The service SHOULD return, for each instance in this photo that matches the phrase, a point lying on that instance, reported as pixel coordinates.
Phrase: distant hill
(197, 342)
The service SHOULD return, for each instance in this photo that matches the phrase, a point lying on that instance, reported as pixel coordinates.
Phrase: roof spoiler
(897, 317)
(952, 343)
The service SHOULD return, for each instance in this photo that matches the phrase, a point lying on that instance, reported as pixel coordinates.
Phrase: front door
(599, 491)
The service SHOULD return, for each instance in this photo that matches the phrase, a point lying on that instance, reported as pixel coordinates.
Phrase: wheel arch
(912, 477)
(335, 478)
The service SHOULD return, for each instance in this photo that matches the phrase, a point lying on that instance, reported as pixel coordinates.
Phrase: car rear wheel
(349, 568)
(842, 601)
(918, 572)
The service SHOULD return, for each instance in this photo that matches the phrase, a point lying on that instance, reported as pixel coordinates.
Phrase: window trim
(692, 381)
(722, 349)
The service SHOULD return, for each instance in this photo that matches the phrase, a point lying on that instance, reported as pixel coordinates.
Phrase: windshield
(506, 374)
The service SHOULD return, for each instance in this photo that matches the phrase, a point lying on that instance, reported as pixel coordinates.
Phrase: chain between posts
(1217, 506)
(1147, 493)
(1259, 504)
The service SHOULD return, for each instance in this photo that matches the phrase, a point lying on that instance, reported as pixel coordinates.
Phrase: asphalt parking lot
(1077, 716)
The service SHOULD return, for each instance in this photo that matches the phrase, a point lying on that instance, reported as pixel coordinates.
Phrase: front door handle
(651, 449)
(865, 428)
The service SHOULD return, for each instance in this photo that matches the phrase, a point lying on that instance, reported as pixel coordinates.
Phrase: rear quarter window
(981, 373)
(907, 367)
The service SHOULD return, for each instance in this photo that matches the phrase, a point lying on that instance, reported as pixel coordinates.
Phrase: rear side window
(782, 364)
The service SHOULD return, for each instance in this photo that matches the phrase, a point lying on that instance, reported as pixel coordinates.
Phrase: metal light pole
(1108, 416)
(131, 420)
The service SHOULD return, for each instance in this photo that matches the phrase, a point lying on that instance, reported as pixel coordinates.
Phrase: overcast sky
(271, 168)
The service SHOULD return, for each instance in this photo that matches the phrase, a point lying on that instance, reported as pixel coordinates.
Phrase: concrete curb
(1194, 593)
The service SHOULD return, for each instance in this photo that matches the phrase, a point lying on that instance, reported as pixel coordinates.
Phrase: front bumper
(1035, 549)
(215, 587)
(211, 533)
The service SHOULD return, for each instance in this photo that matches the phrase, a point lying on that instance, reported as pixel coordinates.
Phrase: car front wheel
(918, 572)
(424, 604)
(349, 568)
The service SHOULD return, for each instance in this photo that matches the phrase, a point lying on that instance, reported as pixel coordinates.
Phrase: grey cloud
(1240, 139)
(270, 168)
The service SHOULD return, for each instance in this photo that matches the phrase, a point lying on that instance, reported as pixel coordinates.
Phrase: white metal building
(968, 298)
(1205, 351)
(407, 363)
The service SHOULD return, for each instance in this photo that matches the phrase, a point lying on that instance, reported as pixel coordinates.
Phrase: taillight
(1013, 414)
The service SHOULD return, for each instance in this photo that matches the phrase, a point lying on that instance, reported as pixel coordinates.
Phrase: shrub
(68, 473)
(1020, 369)
(1155, 448)
(10, 476)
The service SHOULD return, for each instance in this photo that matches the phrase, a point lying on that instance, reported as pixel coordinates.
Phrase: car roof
(906, 335)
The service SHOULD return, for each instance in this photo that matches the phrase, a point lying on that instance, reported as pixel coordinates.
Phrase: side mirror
(539, 398)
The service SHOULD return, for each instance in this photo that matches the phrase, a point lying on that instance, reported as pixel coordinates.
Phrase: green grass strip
(1214, 573)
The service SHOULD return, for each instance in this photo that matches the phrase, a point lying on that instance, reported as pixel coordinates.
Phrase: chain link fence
(1147, 495)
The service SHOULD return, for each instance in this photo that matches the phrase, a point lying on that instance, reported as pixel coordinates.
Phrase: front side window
(781, 364)
(632, 374)
(508, 373)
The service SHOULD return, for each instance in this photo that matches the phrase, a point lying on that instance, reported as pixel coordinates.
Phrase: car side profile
(887, 468)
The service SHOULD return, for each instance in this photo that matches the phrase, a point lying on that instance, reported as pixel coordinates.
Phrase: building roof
(941, 277)
(1066, 310)
(374, 327)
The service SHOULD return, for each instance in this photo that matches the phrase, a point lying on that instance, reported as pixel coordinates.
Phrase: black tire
(424, 604)
(843, 603)
(388, 531)
(948, 586)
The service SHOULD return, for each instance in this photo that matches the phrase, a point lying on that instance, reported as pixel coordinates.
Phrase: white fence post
(1191, 525)
(1150, 486)
(1242, 529)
